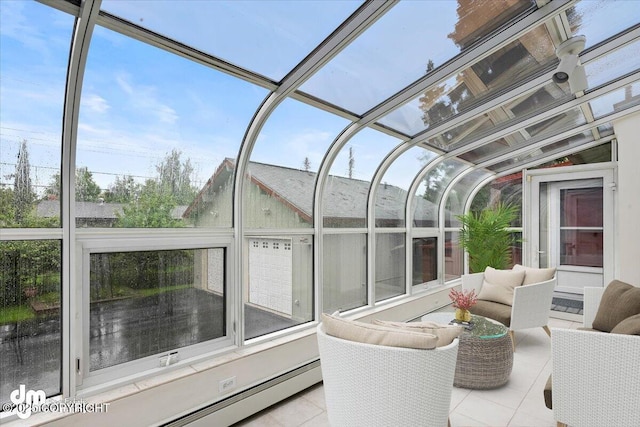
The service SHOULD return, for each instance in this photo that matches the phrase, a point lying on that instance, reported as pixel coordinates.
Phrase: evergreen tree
(352, 162)
(23, 194)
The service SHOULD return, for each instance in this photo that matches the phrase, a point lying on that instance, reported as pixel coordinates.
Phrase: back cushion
(619, 301)
(445, 333)
(376, 334)
(498, 285)
(629, 326)
(535, 275)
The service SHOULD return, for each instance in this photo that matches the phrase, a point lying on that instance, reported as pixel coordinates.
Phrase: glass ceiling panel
(459, 194)
(143, 131)
(266, 37)
(34, 55)
(469, 131)
(594, 18)
(530, 158)
(394, 186)
(515, 62)
(615, 101)
(411, 39)
(613, 65)
(435, 182)
(279, 188)
(563, 121)
(347, 188)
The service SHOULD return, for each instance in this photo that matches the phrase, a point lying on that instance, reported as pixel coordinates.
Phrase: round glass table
(485, 352)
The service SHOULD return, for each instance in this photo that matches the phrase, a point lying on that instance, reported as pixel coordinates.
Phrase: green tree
(86, 188)
(152, 209)
(7, 210)
(123, 190)
(175, 178)
(23, 194)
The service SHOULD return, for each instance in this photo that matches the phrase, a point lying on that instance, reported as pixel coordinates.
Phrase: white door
(572, 227)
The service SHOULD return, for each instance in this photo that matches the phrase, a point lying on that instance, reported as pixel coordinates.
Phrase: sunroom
(187, 186)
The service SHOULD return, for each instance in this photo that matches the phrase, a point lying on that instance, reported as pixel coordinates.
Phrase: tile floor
(519, 403)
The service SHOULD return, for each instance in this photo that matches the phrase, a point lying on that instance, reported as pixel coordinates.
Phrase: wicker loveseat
(519, 299)
(595, 378)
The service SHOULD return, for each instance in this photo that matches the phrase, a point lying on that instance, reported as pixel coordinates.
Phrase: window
(344, 283)
(425, 260)
(279, 284)
(148, 305)
(390, 265)
(30, 317)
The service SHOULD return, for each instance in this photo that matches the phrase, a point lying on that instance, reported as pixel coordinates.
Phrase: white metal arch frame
(439, 75)
(83, 30)
(356, 24)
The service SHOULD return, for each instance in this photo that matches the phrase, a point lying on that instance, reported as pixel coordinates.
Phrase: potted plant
(486, 237)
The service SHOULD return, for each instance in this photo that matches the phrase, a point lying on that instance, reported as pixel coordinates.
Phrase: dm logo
(25, 400)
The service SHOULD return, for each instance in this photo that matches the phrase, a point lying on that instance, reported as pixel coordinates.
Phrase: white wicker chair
(373, 385)
(531, 305)
(595, 378)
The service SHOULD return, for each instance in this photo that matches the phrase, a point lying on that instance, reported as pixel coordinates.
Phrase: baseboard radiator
(248, 402)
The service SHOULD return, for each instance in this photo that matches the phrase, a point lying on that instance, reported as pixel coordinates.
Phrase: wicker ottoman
(485, 353)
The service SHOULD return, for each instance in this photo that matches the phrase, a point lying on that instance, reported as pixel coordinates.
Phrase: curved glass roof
(281, 83)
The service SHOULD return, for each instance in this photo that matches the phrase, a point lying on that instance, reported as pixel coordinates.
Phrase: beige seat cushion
(498, 285)
(445, 333)
(376, 334)
(619, 301)
(493, 310)
(535, 275)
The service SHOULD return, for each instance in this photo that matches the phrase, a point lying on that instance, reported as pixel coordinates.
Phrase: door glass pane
(30, 321)
(581, 247)
(581, 207)
(425, 260)
(543, 211)
(581, 223)
(345, 272)
(145, 303)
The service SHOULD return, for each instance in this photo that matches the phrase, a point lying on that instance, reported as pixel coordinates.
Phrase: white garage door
(270, 274)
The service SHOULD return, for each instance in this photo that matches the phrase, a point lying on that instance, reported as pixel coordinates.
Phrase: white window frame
(134, 240)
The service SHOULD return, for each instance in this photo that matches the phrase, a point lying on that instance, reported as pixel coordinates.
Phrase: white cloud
(145, 99)
(95, 103)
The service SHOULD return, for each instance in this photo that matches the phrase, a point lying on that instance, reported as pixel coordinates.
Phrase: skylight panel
(266, 37)
(514, 63)
(598, 20)
(411, 39)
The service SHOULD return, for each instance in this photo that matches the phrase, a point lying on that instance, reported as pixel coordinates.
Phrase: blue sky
(139, 102)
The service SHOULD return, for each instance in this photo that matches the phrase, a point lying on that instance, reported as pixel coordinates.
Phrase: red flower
(463, 299)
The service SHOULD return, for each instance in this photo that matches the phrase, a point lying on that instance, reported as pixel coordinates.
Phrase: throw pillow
(498, 285)
(535, 275)
(445, 333)
(368, 333)
(629, 326)
(619, 301)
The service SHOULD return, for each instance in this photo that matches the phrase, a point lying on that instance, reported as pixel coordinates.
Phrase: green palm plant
(486, 237)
